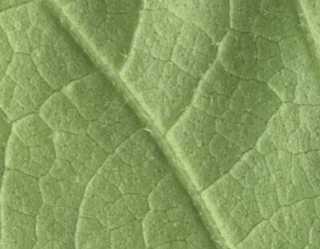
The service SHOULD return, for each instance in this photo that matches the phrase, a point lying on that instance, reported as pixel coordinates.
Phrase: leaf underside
(172, 124)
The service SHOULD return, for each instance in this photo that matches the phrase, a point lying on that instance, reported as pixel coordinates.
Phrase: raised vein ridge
(109, 72)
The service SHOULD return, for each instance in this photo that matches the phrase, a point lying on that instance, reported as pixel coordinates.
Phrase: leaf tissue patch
(159, 124)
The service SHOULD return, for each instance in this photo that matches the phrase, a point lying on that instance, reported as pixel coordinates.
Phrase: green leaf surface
(159, 124)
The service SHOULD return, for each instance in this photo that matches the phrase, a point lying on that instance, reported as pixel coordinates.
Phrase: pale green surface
(166, 124)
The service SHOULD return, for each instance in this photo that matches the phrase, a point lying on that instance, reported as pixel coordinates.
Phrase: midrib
(167, 149)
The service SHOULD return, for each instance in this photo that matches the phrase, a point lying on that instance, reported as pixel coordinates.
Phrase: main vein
(106, 69)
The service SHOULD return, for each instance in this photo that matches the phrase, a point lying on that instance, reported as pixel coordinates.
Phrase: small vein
(113, 153)
(308, 28)
(198, 88)
(13, 6)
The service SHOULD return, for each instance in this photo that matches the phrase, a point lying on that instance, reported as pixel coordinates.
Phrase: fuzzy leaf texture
(160, 124)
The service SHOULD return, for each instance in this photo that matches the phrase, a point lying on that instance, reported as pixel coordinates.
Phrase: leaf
(159, 124)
